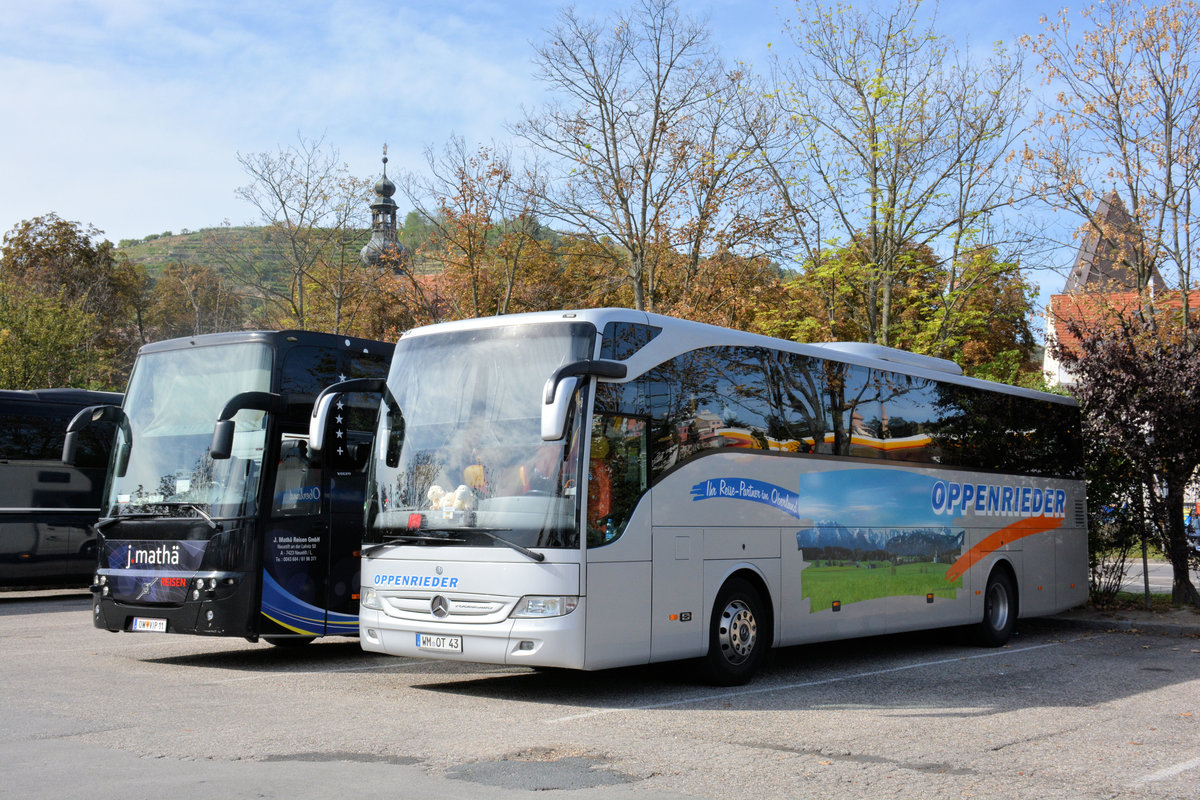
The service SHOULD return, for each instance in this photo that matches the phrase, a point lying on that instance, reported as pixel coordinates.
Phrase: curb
(1156, 627)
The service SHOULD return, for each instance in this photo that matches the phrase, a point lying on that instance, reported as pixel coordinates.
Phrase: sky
(129, 115)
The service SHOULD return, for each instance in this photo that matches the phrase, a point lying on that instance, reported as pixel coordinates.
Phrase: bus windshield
(172, 404)
(460, 459)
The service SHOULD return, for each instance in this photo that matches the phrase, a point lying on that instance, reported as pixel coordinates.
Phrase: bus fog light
(370, 599)
(208, 615)
(533, 606)
(195, 594)
(104, 591)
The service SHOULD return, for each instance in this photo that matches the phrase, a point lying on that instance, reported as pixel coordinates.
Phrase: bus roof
(685, 335)
(66, 396)
(235, 337)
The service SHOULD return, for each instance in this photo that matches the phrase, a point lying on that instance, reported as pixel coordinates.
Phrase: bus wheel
(288, 641)
(999, 611)
(735, 639)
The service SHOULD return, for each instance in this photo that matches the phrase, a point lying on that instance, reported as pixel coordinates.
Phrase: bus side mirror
(554, 414)
(222, 441)
(556, 397)
(88, 416)
(320, 413)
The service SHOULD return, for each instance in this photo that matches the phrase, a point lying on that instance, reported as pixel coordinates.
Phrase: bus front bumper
(220, 609)
(546, 642)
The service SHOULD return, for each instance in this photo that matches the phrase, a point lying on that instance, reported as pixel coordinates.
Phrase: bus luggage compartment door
(677, 619)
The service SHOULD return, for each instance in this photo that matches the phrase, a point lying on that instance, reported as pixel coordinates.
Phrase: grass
(853, 584)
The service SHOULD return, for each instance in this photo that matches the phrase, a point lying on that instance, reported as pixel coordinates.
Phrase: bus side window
(616, 476)
(297, 482)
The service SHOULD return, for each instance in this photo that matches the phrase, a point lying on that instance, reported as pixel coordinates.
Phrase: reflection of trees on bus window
(756, 398)
(623, 339)
(297, 481)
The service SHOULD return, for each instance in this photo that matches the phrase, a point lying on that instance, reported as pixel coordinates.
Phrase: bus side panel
(1036, 578)
(678, 620)
(618, 621)
(1074, 580)
(619, 582)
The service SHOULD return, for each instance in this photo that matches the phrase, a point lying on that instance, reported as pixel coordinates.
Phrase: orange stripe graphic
(992, 543)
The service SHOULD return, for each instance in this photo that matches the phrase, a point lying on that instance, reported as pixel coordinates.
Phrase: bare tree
(482, 217)
(635, 131)
(1126, 119)
(304, 268)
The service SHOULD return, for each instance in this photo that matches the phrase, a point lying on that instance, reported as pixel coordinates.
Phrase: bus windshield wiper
(101, 524)
(393, 538)
(525, 551)
(216, 526)
(488, 532)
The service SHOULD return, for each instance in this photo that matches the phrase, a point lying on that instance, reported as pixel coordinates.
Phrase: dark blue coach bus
(216, 519)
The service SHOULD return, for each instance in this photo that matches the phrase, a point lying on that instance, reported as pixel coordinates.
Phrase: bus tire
(736, 637)
(288, 641)
(999, 611)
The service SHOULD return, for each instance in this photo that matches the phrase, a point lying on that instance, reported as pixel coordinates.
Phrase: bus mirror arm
(222, 441)
(556, 397)
(614, 370)
(320, 413)
(86, 417)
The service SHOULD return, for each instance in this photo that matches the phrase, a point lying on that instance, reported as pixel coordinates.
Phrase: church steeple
(383, 226)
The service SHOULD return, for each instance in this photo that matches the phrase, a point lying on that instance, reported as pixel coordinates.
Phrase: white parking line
(805, 684)
(1169, 772)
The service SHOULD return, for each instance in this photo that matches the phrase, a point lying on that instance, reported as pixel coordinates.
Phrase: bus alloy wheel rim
(997, 607)
(738, 632)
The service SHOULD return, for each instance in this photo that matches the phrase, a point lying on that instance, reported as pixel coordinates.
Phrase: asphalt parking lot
(1063, 711)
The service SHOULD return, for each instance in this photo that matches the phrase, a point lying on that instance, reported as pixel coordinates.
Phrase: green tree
(45, 341)
(885, 137)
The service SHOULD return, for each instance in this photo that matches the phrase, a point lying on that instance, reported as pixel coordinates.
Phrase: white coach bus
(602, 488)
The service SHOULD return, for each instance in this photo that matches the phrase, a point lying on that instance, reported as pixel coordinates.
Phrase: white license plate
(150, 625)
(445, 644)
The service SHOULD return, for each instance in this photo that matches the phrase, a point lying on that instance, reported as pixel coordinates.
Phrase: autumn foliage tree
(58, 275)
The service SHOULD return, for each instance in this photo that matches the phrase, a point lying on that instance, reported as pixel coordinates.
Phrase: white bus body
(728, 492)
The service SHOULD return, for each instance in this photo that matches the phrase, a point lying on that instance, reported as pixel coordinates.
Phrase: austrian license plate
(149, 625)
(445, 644)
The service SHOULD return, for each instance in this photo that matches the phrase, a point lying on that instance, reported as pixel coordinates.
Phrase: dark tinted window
(35, 431)
(361, 407)
(768, 400)
(306, 371)
(623, 339)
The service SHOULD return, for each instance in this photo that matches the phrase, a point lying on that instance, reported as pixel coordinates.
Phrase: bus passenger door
(296, 546)
(345, 498)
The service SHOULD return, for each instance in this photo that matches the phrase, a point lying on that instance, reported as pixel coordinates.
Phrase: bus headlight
(370, 599)
(534, 606)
